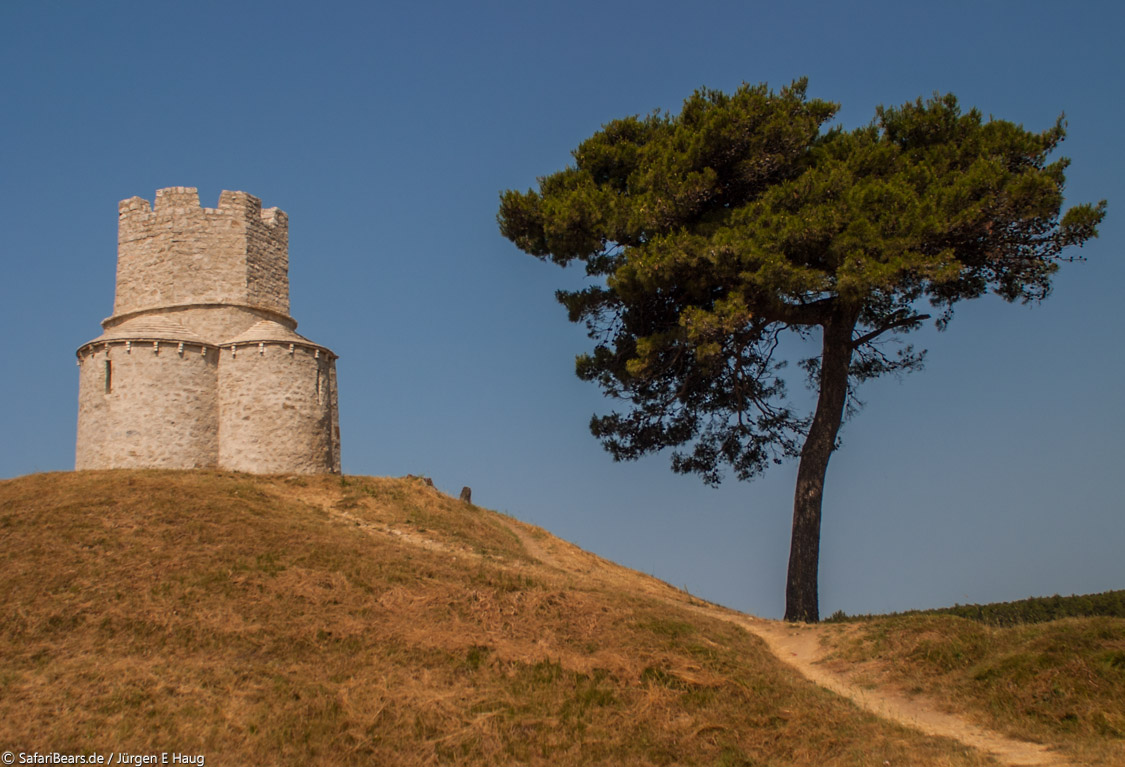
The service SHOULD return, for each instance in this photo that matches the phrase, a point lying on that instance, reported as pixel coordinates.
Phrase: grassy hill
(1059, 682)
(328, 621)
(320, 621)
(1042, 669)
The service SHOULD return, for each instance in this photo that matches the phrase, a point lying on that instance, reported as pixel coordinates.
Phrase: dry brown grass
(320, 621)
(1060, 683)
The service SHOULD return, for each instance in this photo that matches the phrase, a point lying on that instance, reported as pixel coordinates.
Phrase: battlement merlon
(237, 205)
(175, 252)
(133, 205)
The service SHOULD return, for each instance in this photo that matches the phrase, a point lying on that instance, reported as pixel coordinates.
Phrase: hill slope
(328, 621)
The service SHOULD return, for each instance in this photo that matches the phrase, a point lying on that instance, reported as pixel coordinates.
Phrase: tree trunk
(801, 600)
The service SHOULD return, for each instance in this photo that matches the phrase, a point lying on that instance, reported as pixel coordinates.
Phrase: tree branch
(868, 337)
(814, 313)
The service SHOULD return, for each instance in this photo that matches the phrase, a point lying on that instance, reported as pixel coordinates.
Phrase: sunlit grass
(320, 621)
(1059, 682)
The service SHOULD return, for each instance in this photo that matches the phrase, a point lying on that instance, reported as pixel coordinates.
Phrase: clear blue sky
(387, 130)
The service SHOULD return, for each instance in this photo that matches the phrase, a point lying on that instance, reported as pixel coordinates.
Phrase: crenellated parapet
(176, 253)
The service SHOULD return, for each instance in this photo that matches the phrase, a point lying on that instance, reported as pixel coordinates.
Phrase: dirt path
(793, 644)
(799, 647)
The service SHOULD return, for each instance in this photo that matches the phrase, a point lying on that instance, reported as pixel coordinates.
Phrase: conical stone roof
(268, 330)
(150, 327)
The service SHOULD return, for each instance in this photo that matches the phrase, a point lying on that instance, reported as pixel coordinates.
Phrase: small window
(319, 388)
(108, 376)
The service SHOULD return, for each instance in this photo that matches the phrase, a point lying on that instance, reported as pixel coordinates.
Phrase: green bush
(1109, 604)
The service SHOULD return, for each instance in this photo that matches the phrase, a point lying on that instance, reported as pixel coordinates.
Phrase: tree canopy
(712, 232)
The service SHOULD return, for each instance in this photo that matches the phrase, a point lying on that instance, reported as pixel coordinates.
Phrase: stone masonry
(200, 365)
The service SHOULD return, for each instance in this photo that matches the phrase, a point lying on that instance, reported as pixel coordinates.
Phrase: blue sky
(387, 130)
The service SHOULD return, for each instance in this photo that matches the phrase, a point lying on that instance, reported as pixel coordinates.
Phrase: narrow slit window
(319, 394)
(108, 376)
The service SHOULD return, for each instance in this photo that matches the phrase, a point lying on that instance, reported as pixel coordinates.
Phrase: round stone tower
(200, 365)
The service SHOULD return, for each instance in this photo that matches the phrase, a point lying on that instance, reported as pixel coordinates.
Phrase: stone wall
(277, 410)
(158, 409)
(267, 257)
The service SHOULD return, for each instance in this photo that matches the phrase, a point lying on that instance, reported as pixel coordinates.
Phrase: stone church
(200, 364)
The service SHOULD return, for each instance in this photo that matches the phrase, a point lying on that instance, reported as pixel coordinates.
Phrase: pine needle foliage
(711, 233)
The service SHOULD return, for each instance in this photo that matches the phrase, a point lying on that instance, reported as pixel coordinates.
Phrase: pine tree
(713, 232)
